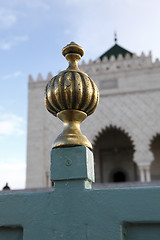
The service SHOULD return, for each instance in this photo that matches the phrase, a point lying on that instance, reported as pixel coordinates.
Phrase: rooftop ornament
(71, 96)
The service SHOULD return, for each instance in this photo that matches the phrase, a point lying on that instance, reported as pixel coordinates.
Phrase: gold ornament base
(71, 135)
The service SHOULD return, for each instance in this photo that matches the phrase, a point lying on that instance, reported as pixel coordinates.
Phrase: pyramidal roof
(115, 51)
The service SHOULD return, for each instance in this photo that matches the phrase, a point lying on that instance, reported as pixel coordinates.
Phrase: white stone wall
(129, 99)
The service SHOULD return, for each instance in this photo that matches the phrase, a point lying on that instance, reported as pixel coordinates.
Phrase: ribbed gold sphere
(71, 89)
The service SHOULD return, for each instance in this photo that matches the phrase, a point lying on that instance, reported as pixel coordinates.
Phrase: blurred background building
(124, 130)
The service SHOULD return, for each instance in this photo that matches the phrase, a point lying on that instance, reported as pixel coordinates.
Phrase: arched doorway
(155, 166)
(118, 176)
(113, 151)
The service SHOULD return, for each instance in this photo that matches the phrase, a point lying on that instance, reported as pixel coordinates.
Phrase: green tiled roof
(115, 51)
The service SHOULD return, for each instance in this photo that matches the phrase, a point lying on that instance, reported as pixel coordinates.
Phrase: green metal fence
(74, 211)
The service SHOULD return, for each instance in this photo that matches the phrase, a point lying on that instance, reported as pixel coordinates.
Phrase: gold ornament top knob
(73, 53)
(73, 48)
(73, 94)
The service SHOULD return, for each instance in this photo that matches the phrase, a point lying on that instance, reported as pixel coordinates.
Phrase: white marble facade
(129, 101)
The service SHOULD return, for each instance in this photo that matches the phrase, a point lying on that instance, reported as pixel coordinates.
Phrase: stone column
(147, 173)
(142, 173)
(143, 160)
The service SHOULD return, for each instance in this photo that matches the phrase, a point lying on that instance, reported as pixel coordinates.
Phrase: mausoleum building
(124, 130)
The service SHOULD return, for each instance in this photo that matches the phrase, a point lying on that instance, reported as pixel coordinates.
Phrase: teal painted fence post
(72, 170)
(72, 166)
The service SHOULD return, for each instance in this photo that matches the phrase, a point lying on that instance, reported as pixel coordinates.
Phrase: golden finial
(71, 96)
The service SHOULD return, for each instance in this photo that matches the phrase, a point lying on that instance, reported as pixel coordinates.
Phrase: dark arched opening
(118, 176)
(114, 149)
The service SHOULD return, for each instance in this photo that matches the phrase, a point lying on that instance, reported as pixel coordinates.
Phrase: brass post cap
(72, 48)
(72, 96)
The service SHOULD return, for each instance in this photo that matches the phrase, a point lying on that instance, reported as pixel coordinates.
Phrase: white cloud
(21, 38)
(7, 18)
(36, 4)
(12, 171)
(11, 124)
(77, 2)
(67, 31)
(7, 44)
(12, 75)
(30, 4)
(12, 162)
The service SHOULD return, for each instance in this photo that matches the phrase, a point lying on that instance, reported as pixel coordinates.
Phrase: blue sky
(32, 34)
